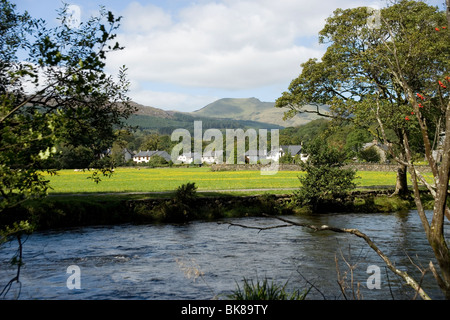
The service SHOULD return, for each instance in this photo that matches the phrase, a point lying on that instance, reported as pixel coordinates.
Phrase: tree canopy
(54, 91)
(393, 77)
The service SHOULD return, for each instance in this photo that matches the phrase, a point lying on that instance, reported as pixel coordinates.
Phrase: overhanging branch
(408, 279)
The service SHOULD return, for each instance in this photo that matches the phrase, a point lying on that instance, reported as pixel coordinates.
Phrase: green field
(168, 179)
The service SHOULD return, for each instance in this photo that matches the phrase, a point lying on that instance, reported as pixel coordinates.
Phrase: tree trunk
(401, 186)
(442, 254)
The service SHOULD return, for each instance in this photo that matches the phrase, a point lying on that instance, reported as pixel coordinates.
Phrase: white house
(145, 156)
(293, 150)
(189, 157)
(210, 157)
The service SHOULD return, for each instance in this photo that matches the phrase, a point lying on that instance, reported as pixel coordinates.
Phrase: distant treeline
(155, 134)
(166, 126)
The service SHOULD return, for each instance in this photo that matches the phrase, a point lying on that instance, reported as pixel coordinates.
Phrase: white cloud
(144, 19)
(232, 44)
(167, 100)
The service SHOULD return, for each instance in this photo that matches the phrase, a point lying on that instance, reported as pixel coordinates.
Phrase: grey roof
(292, 149)
(150, 154)
(375, 144)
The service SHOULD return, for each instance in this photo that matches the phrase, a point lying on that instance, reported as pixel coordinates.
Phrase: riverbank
(110, 209)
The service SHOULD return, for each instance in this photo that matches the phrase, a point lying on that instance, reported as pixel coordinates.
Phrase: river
(205, 260)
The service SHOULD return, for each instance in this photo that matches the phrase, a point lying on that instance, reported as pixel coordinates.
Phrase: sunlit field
(168, 179)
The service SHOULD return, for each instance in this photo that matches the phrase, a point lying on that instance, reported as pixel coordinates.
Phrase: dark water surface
(203, 260)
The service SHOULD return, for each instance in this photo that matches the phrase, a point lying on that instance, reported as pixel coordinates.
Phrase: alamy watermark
(374, 280)
(73, 16)
(236, 142)
(374, 20)
(74, 280)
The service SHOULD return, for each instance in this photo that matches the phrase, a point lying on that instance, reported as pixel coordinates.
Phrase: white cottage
(145, 156)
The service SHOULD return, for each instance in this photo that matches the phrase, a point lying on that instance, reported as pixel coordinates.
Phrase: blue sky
(183, 54)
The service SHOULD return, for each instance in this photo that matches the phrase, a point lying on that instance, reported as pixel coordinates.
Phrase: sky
(184, 54)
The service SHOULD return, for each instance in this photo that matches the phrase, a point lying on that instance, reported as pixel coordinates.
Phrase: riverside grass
(141, 179)
(79, 201)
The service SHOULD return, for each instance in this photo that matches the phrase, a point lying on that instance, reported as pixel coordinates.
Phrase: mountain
(165, 122)
(225, 113)
(253, 109)
(151, 111)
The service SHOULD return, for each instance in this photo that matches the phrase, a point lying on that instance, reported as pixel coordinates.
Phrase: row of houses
(210, 157)
(146, 156)
(253, 156)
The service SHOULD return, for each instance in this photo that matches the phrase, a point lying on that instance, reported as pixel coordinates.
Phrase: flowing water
(205, 260)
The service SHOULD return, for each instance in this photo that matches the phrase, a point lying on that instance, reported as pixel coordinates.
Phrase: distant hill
(165, 122)
(252, 109)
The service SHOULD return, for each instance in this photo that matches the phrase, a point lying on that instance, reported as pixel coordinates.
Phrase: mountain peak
(251, 109)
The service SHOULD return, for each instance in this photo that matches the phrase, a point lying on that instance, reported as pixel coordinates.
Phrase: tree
(355, 141)
(394, 75)
(351, 73)
(54, 91)
(325, 179)
(286, 158)
(370, 155)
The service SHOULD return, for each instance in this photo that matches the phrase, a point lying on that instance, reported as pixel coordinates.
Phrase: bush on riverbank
(263, 290)
(186, 205)
(364, 202)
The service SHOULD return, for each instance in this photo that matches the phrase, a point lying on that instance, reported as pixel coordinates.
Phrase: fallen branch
(405, 276)
(257, 228)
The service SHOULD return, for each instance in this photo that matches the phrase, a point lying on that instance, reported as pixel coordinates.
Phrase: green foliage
(286, 158)
(368, 73)
(157, 161)
(304, 133)
(186, 193)
(180, 208)
(268, 205)
(17, 228)
(325, 179)
(355, 140)
(263, 290)
(56, 97)
(369, 155)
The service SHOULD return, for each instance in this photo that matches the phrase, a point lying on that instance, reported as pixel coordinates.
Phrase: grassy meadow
(168, 179)
(79, 201)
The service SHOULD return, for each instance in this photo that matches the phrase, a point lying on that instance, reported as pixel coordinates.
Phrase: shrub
(263, 290)
(181, 207)
(325, 179)
(370, 155)
(157, 161)
(269, 205)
